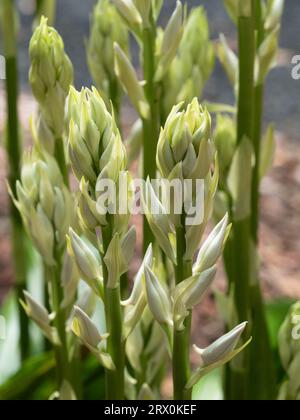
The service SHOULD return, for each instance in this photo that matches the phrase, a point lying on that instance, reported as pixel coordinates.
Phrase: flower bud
(44, 204)
(189, 294)
(273, 14)
(106, 28)
(213, 247)
(228, 60)
(87, 332)
(266, 57)
(186, 138)
(51, 74)
(225, 141)
(223, 347)
(94, 140)
(128, 78)
(170, 42)
(129, 12)
(193, 64)
(39, 314)
(158, 300)
(88, 264)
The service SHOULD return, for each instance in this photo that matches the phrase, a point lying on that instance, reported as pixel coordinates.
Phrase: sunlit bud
(40, 316)
(189, 294)
(171, 40)
(213, 247)
(107, 27)
(133, 314)
(186, 138)
(129, 12)
(193, 64)
(84, 328)
(158, 300)
(50, 76)
(42, 234)
(144, 8)
(273, 14)
(88, 264)
(222, 347)
(268, 149)
(127, 76)
(229, 60)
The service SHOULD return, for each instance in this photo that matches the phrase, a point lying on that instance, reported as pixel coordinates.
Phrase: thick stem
(114, 324)
(242, 227)
(150, 125)
(60, 157)
(61, 351)
(13, 147)
(181, 339)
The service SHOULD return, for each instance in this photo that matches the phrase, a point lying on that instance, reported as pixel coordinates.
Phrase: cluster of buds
(44, 203)
(289, 347)
(193, 64)
(106, 28)
(185, 152)
(50, 76)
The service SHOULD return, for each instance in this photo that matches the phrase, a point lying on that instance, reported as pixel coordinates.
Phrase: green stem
(242, 227)
(181, 339)
(46, 8)
(114, 323)
(14, 150)
(262, 377)
(60, 157)
(61, 351)
(150, 125)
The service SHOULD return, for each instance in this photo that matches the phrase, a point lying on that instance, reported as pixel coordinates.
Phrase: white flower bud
(158, 300)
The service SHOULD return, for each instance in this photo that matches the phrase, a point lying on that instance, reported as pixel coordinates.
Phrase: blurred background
(280, 242)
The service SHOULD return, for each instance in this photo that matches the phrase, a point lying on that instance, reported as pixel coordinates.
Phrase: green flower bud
(84, 328)
(186, 138)
(189, 294)
(266, 56)
(106, 28)
(232, 7)
(213, 247)
(128, 78)
(273, 14)
(170, 41)
(39, 314)
(193, 64)
(229, 61)
(222, 347)
(88, 264)
(45, 204)
(50, 76)
(144, 8)
(158, 300)
(94, 140)
(289, 348)
(129, 12)
(69, 280)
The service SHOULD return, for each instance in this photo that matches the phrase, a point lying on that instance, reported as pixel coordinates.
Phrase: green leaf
(28, 377)
(210, 387)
